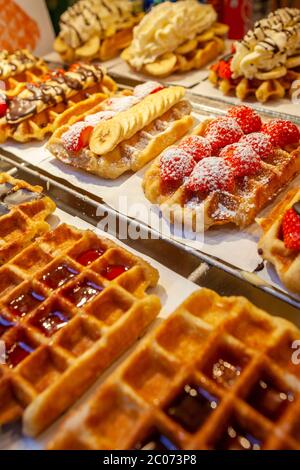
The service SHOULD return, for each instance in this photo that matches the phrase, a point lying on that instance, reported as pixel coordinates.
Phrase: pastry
(226, 172)
(96, 29)
(266, 63)
(176, 37)
(280, 242)
(124, 133)
(217, 375)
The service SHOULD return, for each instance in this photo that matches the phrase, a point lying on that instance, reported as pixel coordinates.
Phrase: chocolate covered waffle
(217, 374)
(73, 303)
(176, 37)
(280, 242)
(226, 172)
(96, 29)
(32, 113)
(124, 133)
(266, 63)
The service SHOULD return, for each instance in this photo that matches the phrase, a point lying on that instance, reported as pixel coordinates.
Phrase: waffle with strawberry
(280, 242)
(240, 166)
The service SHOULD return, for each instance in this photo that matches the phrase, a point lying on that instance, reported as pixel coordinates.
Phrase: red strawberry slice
(148, 88)
(211, 174)
(77, 137)
(223, 69)
(223, 131)
(198, 147)
(260, 142)
(243, 160)
(175, 164)
(291, 229)
(247, 118)
(158, 88)
(282, 132)
(3, 105)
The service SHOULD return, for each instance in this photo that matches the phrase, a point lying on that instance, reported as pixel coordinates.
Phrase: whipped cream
(268, 46)
(167, 26)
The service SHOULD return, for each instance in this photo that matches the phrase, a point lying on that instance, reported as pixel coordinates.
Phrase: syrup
(5, 324)
(238, 438)
(83, 292)
(113, 271)
(18, 352)
(25, 303)
(89, 256)
(59, 276)
(52, 322)
(156, 441)
(269, 400)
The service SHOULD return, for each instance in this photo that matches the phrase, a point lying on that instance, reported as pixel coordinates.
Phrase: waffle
(23, 210)
(32, 114)
(217, 374)
(200, 211)
(75, 303)
(134, 134)
(272, 247)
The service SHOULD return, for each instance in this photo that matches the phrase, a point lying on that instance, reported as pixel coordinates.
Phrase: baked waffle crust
(194, 384)
(64, 321)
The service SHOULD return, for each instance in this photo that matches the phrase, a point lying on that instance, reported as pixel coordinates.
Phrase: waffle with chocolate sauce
(201, 210)
(33, 113)
(272, 247)
(23, 212)
(18, 68)
(73, 303)
(217, 374)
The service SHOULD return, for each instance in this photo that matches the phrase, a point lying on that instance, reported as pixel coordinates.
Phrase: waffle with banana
(73, 303)
(124, 133)
(280, 242)
(96, 29)
(32, 114)
(217, 374)
(176, 37)
(226, 172)
(266, 63)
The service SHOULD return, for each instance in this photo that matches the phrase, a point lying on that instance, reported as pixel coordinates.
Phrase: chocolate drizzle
(296, 207)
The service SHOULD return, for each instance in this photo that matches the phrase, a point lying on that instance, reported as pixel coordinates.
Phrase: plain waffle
(271, 245)
(73, 303)
(217, 374)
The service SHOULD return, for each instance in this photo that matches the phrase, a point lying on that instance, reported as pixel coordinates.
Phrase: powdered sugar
(210, 174)
(260, 142)
(72, 135)
(242, 158)
(198, 147)
(94, 119)
(145, 89)
(122, 104)
(175, 164)
(223, 131)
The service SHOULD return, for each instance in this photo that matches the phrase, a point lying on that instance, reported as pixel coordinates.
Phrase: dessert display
(266, 62)
(124, 132)
(226, 172)
(96, 29)
(32, 113)
(280, 242)
(217, 374)
(176, 37)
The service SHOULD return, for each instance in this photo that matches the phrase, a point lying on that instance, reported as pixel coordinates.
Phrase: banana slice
(89, 49)
(273, 74)
(106, 135)
(220, 29)
(187, 47)
(293, 62)
(60, 45)
(206, 36)
(163, 66)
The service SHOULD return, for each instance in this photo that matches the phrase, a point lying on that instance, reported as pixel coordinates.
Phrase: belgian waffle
(72, 303)
(240, 206)
(32, 114)
(271, 245)
(23, 210)
(139, 128)
(217, 374)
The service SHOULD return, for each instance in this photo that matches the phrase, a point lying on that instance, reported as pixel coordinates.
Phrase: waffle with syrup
(124, 132)
(185, 202)
(33, 113)
(23, 212)
(73, 303)
(217, 374)
(271, 245)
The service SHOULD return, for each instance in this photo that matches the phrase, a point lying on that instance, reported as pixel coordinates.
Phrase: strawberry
(3, 105)
(223, 68)
(211, 174)
(247, 118)
(291, 229)
(175, 164)
(148, 88)
(282, 132)
(243, 160)
(77, 137)
(198, 147)
(223, 131)
(260, 142)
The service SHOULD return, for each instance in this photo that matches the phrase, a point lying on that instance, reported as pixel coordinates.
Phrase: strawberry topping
(77, 137)
(197, 146)
(282, 132)
(260, 142)
(175, 164)
(211, 174)
(291, 229)
(223, 131)
(243, 160)
(223, 69)
(247, 118)
(148, 88)
(3, 105)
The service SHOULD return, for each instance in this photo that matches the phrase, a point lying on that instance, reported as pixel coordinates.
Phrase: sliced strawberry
(198, 147)
(148, 88)
(291, 229)
(223, 131)
(77, 137)
(157, 89)
(282, 132)
(243, 160)
(260, 142)
(247, 118)
(3, 105)
(175, 164)
(211, 174)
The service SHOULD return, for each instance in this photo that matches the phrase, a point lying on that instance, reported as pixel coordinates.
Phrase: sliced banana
(106, 136)
(187, 47)
(163, 66)
(293, 62)
(90, 48)
(272, 74)
(60, 45)
(220, 29)
(206, 36)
